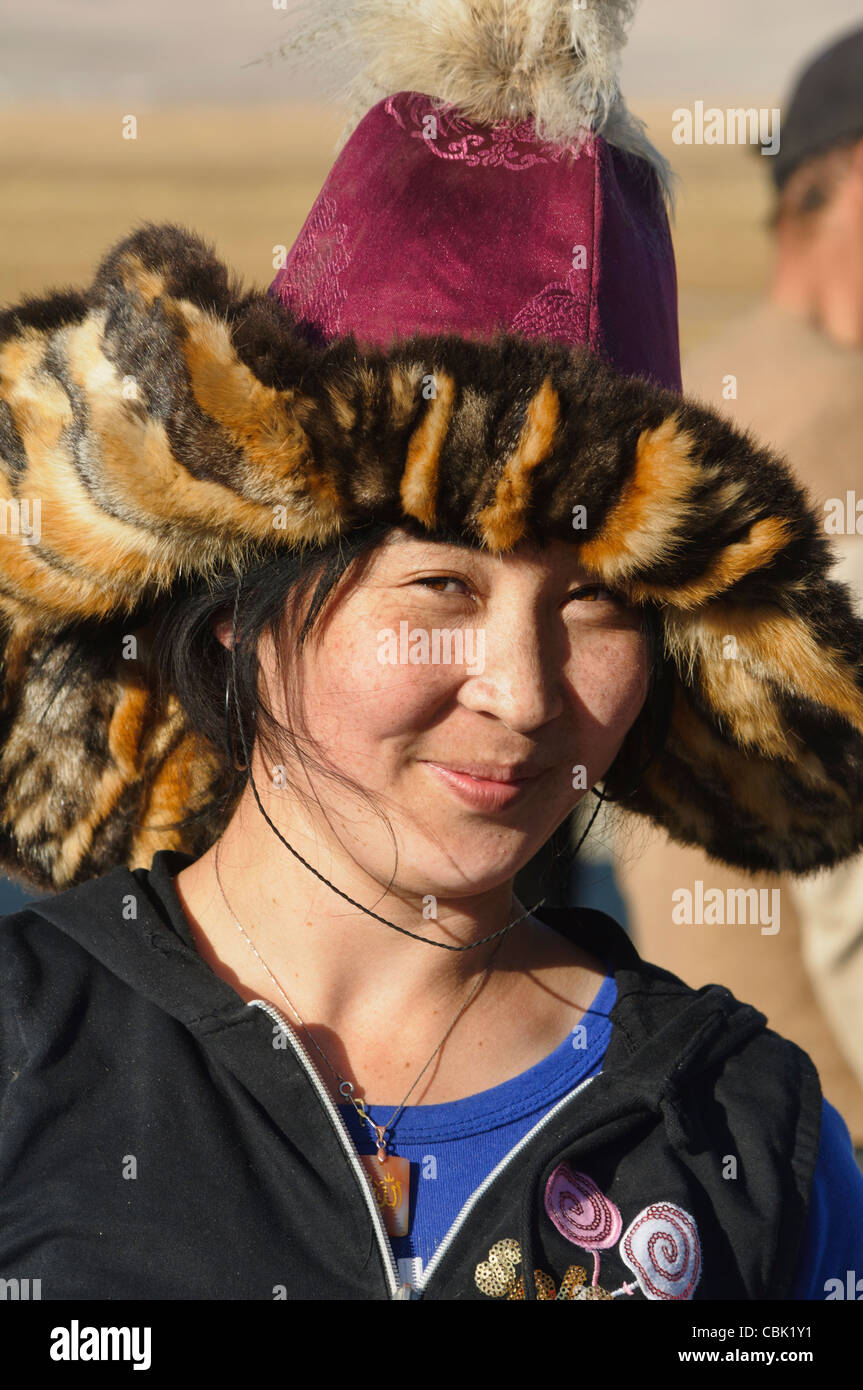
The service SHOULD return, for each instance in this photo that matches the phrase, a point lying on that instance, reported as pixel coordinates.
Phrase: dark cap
(826, 106)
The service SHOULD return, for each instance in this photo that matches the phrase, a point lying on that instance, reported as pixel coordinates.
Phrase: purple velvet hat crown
(433, 223)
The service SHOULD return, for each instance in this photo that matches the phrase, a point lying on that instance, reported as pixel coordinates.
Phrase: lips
(472, 783)
(492, 772)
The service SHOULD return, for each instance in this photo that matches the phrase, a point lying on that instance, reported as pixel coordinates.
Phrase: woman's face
(475, 697)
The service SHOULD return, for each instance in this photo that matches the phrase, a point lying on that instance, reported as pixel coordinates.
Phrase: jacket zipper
(397, 1289)
(487, 1182)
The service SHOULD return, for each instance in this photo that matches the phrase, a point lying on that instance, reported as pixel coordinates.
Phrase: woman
(322, 638)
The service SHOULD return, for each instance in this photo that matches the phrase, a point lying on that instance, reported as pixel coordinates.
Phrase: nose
(522, 678)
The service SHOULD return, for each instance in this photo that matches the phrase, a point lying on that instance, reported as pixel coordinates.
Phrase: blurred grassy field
(245, 178)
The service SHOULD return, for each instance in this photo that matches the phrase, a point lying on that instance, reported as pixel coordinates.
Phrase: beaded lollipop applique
(660, 1245)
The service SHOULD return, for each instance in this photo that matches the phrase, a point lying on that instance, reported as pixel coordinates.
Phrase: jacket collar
(663, 1031)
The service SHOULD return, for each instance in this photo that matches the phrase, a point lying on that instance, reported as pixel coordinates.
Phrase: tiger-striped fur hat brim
(169, 424)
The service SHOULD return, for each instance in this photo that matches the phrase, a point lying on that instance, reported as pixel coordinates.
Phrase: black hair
(195, 665)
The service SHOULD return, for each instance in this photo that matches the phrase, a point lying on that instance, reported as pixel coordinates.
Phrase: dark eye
(435, 579)
(594, 593)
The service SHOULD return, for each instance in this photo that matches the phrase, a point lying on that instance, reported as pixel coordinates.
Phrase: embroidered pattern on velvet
(308, 284)
(661, 1246)
(555, 313)
(449, 135)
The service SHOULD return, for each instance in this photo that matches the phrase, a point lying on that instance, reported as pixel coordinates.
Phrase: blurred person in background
(792, 371)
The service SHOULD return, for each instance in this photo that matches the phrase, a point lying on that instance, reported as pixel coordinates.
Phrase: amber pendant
(391, 1181)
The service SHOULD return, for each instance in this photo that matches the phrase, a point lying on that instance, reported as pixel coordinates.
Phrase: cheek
(610, 680)
(355, 704)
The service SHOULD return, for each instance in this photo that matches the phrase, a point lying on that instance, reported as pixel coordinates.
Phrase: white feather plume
(555, 60)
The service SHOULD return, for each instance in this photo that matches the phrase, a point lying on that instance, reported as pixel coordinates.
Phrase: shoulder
(708, 1025)
(44, 943)
(43, 972)
(29, 942)
(62, 962)
(727, 1062)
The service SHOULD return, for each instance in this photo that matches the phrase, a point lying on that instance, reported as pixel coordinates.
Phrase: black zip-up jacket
(155, 1144)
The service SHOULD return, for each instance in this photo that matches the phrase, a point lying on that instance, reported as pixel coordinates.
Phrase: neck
(330, 957)
(378, 1003)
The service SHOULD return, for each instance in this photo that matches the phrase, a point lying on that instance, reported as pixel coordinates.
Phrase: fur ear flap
(95, 770)
(763, 766)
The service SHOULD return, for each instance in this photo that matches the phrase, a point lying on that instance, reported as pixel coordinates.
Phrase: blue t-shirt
(454, 1147)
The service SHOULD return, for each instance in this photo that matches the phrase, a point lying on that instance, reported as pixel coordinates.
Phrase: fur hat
(170, 425)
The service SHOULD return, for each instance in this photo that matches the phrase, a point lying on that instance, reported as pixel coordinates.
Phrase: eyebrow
(427, 552)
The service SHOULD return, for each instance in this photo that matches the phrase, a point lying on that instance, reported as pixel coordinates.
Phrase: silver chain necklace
(346, 1088)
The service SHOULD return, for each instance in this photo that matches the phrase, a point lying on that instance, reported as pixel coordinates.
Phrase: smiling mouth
(476, 787)
(490, 772)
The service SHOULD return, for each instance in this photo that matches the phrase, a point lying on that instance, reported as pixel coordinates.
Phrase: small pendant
(390, 1178)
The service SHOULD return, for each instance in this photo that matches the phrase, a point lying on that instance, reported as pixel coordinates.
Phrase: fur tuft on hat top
(553, 61)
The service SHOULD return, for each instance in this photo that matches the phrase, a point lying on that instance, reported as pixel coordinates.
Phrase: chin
(440, 881)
